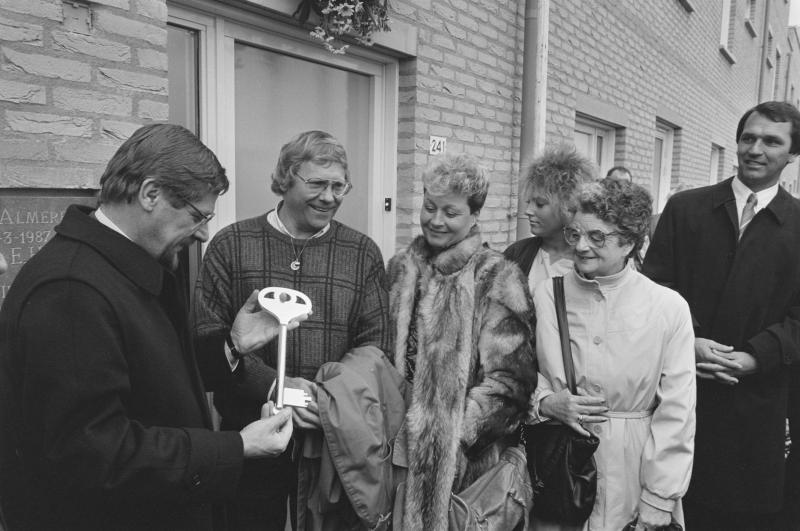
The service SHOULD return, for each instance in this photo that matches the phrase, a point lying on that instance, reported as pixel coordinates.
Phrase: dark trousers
(260, 503)
(702, 518)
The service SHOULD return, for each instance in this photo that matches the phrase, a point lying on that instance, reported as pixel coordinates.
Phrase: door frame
(219, 27)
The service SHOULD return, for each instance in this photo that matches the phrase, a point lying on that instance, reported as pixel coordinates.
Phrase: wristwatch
(235, 354)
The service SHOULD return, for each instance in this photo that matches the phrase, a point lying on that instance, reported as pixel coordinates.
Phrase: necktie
(748, 212)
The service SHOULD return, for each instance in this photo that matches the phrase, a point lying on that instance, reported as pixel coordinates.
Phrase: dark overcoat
(744, 293)
(101, 396)
(523, 252)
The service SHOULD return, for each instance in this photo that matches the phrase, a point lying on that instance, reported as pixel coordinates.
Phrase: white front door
(264, 85)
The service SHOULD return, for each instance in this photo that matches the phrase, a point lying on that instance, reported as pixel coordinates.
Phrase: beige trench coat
(632, 344)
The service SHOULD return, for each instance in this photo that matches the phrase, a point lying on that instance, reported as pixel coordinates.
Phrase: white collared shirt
(741, 192)
(105, 220)
(274, 220)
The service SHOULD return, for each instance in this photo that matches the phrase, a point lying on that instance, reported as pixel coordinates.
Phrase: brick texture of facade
(637, 64)
(73, 86)
(465, 85)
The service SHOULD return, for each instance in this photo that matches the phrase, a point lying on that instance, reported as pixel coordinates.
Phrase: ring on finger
(580, 419)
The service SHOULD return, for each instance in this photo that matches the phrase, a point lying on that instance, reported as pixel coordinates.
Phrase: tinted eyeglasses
(338, 188)
(198, 215)
(597, 238)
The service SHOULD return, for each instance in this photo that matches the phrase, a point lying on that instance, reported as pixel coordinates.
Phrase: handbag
(499, 500)
(560, 460)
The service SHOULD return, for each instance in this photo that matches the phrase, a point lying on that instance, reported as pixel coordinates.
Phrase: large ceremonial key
(285, 305)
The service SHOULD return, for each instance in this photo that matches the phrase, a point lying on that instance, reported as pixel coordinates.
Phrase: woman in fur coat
(462, 318)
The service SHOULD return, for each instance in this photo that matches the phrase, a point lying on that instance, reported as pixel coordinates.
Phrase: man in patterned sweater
(299, 246)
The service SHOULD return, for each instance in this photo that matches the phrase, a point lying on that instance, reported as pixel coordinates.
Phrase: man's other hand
(268, 436)
(721, 363)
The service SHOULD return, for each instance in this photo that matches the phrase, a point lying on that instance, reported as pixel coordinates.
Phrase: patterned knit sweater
(343, 274)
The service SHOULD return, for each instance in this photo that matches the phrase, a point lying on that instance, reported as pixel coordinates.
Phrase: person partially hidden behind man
(731, 250)
(102, 408)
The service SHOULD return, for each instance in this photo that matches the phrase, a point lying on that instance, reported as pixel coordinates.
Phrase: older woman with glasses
(461, 317)
(633, 350)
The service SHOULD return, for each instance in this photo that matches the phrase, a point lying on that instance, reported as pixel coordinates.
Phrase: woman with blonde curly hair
(551, 182)
(633, 350)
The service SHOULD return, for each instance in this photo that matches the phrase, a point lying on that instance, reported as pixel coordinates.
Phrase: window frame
(597, 129)
(663, 182)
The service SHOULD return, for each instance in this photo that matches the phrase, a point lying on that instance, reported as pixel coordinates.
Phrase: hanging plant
(358, 19)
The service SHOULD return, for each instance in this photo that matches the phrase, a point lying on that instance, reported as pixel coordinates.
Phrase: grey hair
(621, 203)
(317, 147)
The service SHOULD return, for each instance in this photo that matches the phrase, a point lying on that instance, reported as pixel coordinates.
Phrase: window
(770, 47)
(662, 164)
(595, 141)
(750, 21)
(776, 79)
(715, 166)
(726, 32)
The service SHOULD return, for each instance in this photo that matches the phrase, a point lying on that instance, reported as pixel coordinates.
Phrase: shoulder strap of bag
(563, 332)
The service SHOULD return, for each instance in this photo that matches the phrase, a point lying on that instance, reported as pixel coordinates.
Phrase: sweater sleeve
(371, 311)
(669, 451)
(213, 313)
(77, 409)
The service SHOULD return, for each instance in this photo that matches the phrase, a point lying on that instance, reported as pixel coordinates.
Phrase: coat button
(598, 297)
(597, 340)
(597, 429)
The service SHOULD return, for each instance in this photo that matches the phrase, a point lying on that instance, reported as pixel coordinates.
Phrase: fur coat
(475, 366)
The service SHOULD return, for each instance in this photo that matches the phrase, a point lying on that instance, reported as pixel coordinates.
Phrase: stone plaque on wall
(27, 220)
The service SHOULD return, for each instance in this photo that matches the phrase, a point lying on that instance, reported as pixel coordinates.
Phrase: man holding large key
(102, 410)
(297, 246)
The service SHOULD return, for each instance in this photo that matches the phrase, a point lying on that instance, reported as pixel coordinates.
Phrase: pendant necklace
(295, 265)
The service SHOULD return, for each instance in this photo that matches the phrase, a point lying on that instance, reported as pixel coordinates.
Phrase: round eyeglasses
(338, 188)
(597, 238)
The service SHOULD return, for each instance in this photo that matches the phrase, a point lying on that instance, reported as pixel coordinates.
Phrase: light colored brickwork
(67, 96)
(652, 60)
(463, 85)
(70, 93)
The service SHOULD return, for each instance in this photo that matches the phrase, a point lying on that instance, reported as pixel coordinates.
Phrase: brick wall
(72, 91)
(653, 60)
(464, 85)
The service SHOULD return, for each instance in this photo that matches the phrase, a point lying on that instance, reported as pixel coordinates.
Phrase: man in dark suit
(103, 418)
(732, 250)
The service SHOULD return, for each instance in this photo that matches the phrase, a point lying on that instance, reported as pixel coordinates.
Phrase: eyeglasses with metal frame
(338, 188)
(597, 238)
(198, 215)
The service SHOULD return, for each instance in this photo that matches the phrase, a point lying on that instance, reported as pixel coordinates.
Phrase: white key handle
(285, 305)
